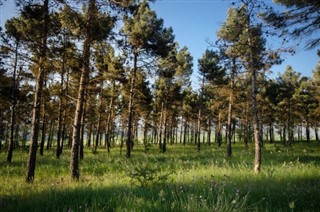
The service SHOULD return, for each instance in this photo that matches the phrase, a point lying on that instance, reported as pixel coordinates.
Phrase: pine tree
(145, 33)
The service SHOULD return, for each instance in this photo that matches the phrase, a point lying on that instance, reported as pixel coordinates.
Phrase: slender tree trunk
(257, 160)
(271, 137)
(185, 132)
(176, 135)
(198, 130)
(209, 132)
(233, 132)
(110, 118)
(308, 130)
(145, 136)
(131, 100)
(161, 126)
(256, 129)
(44, 120)
(204, 136)
(74, 162)
(99, 118)
(230, 109)
(81, 144)
(61, 108)
(284, 135)
(43, 132)
(50, 134)
(31, 163)
(13, 106)
(316, 134)
(7, 135)
(89, 134)
(164, 145)
(64, 128)
(300, 133)
(181, 132)
(122, 136)
(218, 131)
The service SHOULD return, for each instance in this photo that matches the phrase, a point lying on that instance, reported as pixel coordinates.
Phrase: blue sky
(195, 21)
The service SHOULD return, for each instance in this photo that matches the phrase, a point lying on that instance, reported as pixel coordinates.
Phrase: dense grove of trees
(108, 73)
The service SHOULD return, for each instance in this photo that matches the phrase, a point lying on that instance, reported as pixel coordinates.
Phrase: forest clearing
(182, 179)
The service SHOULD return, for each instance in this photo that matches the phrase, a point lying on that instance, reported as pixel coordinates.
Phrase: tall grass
(180, 180)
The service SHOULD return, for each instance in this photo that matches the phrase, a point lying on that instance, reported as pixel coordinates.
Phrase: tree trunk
(13, 106)
(43, 133)
(110, 119)
(131, 100)
(230, 109)
(44, 120)
(164, 145)
(198, 130)
(218, 131)
(145, 136)
(209, 132)
(64, 128)
(308, 130)
(122, 137)
(284, 135)
(89, 135)
(74, 162)
(203, 136)
(83, 119)
(256, 129)
(61, 108)
(31, 163)
(185, 132)
(99, 118)
(161, 126)
(271, 136)
(316, 134)
(50, 134)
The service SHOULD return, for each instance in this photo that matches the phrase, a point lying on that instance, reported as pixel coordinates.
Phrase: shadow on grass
(259, 194)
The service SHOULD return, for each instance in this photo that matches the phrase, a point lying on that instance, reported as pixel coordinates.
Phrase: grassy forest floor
(182, 179)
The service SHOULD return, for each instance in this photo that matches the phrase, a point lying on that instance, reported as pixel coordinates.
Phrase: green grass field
(182, 179)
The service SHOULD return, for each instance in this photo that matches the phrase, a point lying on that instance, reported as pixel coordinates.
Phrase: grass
(182, 179)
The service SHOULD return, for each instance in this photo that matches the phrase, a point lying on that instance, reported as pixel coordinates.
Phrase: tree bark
(31, 163)
(129, 141)
(230, 108)
(165, 133)
(99, 118)
(61, 108)
(74, 162)
(256, 129)
(209, 132)
(13, 105)
(110, 119)
(81, 144)
(271, 136)
(64, 128)
(308, 130)
(218, 131)
(316, 134)
(198, 130)
(44, 120)
(185, 132)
